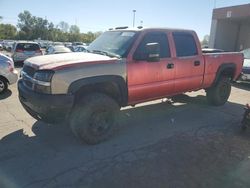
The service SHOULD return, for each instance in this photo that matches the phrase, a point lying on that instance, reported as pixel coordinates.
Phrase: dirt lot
(159, 144)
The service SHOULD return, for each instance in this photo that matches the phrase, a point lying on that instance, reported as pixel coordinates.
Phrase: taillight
(10, 67)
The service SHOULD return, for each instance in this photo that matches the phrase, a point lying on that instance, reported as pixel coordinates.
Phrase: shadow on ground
(6, 94)
(242, 85)
(168, 143)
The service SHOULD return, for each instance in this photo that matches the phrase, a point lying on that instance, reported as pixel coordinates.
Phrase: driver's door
(150, 80)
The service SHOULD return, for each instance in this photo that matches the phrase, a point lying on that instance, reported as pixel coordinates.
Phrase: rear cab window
(185, 44)
(27, 47)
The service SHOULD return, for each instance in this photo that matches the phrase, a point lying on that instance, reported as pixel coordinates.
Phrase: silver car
(57, 50)
(23, 50)
(8, 74)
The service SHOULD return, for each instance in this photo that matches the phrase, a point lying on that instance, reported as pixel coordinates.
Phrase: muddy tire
(219, 94)
(3, 85)
(94, 119)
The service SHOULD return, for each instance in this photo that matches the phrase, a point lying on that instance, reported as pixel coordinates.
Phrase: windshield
(113, 42)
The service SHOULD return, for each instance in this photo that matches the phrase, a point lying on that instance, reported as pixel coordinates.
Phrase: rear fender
(227, 69)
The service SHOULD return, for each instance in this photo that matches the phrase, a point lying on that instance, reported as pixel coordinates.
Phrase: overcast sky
(99, 15)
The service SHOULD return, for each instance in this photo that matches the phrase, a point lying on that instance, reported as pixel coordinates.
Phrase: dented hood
(58, 61)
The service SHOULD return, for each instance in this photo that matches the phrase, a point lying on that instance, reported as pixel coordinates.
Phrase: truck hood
(59, 61)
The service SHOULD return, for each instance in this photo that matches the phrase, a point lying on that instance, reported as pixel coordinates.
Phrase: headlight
(42, 81)
(43, 75)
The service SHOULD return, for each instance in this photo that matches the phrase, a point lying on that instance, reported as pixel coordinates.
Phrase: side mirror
(153, 52)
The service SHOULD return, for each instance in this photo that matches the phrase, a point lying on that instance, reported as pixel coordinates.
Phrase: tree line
(31, 27)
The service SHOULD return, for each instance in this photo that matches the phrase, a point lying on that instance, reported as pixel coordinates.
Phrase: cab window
(156, 37)
(185, 44)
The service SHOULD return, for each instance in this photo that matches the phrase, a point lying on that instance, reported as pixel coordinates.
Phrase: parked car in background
(78, 43)
(23, 50)
(71, 48)
(58, 44)
(80, 48)
(8, 74)
(8, 45)
(66, 44)
(246, 65)
(57, 50)
(1, 47)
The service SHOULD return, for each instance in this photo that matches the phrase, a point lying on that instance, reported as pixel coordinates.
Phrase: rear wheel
(93, 120)
(3, 85)
(219, 94)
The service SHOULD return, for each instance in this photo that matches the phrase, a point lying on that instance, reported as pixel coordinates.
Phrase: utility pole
(134, 11)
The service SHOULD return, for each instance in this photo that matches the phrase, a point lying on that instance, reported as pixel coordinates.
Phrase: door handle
(197, 63)
(170, 66)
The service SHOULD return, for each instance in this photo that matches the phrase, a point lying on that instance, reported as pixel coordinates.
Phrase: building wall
(244, 37)
(230, 28)
(226, 35)
(212, 36)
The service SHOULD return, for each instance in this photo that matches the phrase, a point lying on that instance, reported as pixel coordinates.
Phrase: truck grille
(28, 73)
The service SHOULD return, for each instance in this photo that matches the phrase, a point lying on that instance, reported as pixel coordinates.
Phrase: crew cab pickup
(122, 67)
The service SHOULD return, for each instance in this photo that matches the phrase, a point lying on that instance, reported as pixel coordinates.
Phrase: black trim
(123, 89)
(50, 108)
(223, 67)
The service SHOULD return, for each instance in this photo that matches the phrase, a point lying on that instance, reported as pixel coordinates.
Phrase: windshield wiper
(110, 54)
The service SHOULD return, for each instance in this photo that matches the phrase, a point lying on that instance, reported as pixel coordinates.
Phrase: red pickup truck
(122, 67)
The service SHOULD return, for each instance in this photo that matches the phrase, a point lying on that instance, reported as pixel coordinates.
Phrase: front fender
(90, 81)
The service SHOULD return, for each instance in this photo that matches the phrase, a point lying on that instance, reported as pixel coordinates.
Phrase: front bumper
(45, 107)
(245, 77)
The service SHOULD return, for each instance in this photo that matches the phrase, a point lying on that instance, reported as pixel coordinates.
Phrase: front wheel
(3, 85)
(93, 120)
(219, 94)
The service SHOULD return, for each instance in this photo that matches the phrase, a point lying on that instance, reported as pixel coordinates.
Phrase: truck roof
(152, 29)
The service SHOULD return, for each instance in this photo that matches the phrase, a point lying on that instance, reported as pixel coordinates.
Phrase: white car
(8, 74)
(57, 50)
(246, 65)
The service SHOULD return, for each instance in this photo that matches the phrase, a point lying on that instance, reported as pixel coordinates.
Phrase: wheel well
(4, 79)
(109, 88)
(228, 72)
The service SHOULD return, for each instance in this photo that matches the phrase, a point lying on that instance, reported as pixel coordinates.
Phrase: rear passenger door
(188, 62)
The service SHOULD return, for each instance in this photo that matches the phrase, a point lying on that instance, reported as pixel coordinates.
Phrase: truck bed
(213, 62)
